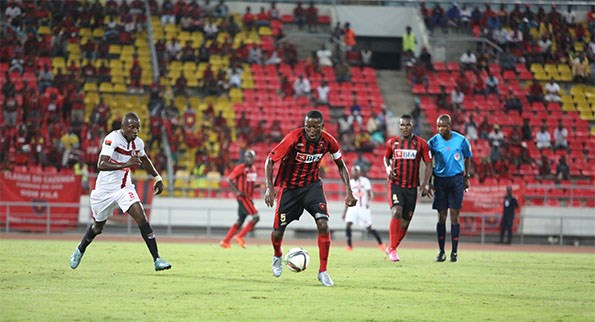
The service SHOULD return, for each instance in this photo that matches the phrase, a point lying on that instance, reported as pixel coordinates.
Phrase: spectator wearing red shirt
(136, 72)
(535, 93)
(263, 18)
(77, 105)
(248, 19)
(312, 17)
(299, 15)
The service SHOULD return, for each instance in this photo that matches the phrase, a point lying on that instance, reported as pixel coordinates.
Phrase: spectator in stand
(10, 110)
(255, 55)
(468, 60)
(235, 76)
(581, 69)
(322, 91)
(591, 48)
(342, 72)
(248, 19)
(507, 61)
(324, 56)
(263, 19)
(419, 74)
(180, 87)
(496, 137)
(299, 15)
(471, 129)
(492, 84)
(136, 72)
(221, 10)
(453, 15)
(286, 88)
(543, 139)
(544, 167)
(336, 32)
(348, 37)
(535, 93)
(312, 17)
(275, 132)
(366, 54)
(463, 83)
(513, 102)
(484, 129)
(274, 12)
(442, 99)
(168, 16)
(45, 78)
(545, 46)
(457, 97)
(526, 130)
(497, 160)
(426, 58)
(355, 114)
(552, 91)
(211, 29)
(174, 49)
(438, 18)
(560, 137)
(562, 169)
(301, 86)
(409, 44)
(479, 86)
(514, 38)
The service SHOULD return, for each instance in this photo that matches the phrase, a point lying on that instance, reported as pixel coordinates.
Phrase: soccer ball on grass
(297, 259)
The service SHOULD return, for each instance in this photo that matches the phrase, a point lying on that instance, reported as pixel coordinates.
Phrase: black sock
(348, 233)
(375, 234)
(147, 232)
(455, 230)
(87, 239)
(441, 232)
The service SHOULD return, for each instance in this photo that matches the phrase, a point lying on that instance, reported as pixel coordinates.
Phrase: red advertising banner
(36, 194)
(486, 202)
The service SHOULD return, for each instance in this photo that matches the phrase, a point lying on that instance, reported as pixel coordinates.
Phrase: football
(297, 259)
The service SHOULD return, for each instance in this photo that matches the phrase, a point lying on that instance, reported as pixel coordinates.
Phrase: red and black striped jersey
(406, 156)
(244, 177)
(300, 158)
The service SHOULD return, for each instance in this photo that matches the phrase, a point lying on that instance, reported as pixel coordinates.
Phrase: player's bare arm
(425, 186)
(235, 189)
(350, 200)
(104, 163)
(158, 186)
(389, 171)
(270, 193)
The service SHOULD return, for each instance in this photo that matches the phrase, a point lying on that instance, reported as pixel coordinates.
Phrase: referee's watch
(467, 176)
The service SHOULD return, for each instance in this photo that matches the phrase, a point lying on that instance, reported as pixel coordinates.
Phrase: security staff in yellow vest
(409, 41)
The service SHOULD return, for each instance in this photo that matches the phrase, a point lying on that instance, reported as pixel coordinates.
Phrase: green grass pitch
(116, 282)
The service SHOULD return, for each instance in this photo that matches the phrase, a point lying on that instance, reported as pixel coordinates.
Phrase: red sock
(324, 246)
(246, 229)
(401, 234)
(277, 246)
(394, 228)
(232, 231)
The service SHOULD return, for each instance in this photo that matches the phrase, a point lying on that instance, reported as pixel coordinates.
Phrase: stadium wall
(220, 213)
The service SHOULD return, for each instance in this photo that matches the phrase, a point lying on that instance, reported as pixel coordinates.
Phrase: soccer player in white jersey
(121, 150)
(360, 213)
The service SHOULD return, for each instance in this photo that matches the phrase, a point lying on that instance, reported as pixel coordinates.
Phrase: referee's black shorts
(448, 192)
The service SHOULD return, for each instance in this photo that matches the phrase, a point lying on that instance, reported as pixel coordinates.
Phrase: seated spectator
(342, 72)
(468, 60)
(135, 78)
(299, 15)
(496, 137)
(507, 61)
(322, 91)
(362, 162)
(463, 83)
(560, 137)
(492, 84)
(255, 55)
(544, 167)
(211, 29)
(221, 10)
(526, 131)
(471, 129)
(274, 12)
(479, 85)
(581, 69)
(301, 86)
(562, 169)
(263, 19)
(275, 132)
(512, 102)
(363, 142)
(181, 85)
(311, 65)
(497, 160)
(274, 58)
(355, 114)
(235, 76)
(442, 99)
(543, 139)
(286, 88)
(45, 78)
(419, 74)
(457, 97)
(545, 45)
(324, 56)
(173, 49)
(552, 91)
(535, 93)
(248, 19)
(10, 110)
(312, 17)
(484, 129)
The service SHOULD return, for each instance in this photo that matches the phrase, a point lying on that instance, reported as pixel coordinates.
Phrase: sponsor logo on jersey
(308, 158)
(405, 154)
(251, 177)
(457, 156)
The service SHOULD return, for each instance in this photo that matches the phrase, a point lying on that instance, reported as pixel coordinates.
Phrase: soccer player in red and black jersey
(402, 159)
(242, 180)
(300, 153)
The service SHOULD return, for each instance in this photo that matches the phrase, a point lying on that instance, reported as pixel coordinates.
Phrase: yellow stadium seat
(98, 32)
(90, 87)
(44, 30)
(105, 88)
(119, 88)
(115, 49)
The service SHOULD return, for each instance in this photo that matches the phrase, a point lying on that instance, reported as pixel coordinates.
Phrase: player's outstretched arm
(350, 200)
(270, 193)
(158, 186)
(104, 164)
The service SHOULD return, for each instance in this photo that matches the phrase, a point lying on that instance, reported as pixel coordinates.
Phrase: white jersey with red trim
(119, 150)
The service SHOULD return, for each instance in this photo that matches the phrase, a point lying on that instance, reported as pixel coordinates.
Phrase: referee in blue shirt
(451, 153)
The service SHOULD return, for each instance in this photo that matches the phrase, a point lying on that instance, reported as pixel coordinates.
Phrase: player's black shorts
(246, 208)
(291, 203)
(405, 198)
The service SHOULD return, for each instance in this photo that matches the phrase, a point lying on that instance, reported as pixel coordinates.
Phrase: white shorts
(104, 202)
(360, 216)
